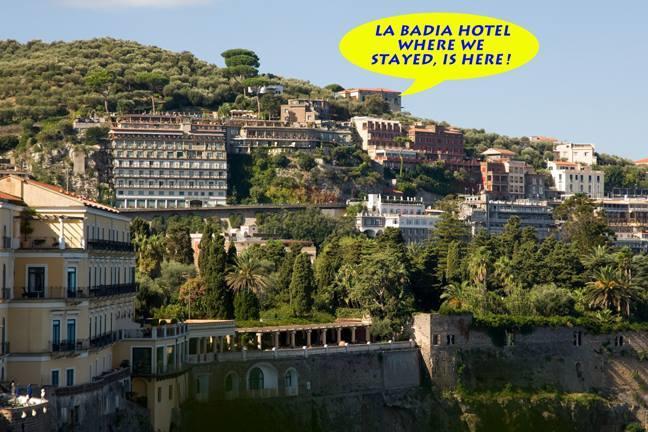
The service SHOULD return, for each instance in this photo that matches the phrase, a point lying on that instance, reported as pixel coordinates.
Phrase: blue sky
(587, 83)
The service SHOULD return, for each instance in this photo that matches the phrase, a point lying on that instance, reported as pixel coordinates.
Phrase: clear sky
(587, 83)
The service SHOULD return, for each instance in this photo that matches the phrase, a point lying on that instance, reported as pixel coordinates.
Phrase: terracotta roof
(494, 151)
(85, 201)
(641, 161)
(565, 163)
(11, 198)
(377, 90)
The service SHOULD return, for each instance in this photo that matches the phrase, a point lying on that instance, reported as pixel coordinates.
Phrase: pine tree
(178, 244)
(302, 286)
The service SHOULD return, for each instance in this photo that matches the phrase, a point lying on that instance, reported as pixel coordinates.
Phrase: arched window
(256, 379)
(291, 382)
(229, 383)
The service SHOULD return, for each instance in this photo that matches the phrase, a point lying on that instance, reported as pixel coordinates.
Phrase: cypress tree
(302, 286)
(212, 263)
(246, 306)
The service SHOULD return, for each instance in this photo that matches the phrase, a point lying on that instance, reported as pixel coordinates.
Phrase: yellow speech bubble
(430, 48)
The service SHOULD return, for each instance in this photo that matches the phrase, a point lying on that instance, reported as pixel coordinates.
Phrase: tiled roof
(378, 90)
(83, 200)
(11, 198)
(642, 161)
(494, 151)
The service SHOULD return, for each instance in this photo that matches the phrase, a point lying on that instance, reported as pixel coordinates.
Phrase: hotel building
(168, 161)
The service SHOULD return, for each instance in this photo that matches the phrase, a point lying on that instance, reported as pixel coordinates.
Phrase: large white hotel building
(168, 161)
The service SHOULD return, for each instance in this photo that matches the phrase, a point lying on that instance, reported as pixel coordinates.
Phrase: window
(170, 392)
(56, 334)
(159, 394)
(256, 379)
(71, 281)
(71, 331)
(69, 377)
(54, 381)
(36, 281)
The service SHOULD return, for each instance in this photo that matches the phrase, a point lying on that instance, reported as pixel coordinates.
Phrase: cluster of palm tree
(611, 286)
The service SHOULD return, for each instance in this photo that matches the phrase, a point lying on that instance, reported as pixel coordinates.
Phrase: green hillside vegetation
(43, 86)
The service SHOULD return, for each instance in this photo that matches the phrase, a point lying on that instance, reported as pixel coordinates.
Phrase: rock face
(411, 411)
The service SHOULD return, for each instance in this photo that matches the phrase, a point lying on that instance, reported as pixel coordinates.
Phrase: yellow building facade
(68, 279)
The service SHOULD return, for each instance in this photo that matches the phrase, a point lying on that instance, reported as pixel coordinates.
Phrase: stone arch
(262, 380)
(231, 385)
(291, 382)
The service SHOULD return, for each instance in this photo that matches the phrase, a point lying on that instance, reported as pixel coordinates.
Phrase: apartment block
(304, 111)
(572, 178)
(502, 176)
(168, 161)
(482, 213)
(407, 214)
(392, 97)
(627, 217)
(437, 142)
(576, 153)
(243, 136)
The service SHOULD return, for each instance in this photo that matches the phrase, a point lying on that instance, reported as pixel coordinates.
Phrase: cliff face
(413, 411)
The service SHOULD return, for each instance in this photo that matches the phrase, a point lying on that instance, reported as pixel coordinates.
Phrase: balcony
(110, 245)
(104, 340)
(110, 290)
(57, 292)
(63, 346)
(160, 332)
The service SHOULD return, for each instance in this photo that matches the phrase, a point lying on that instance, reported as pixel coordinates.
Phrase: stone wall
(316, 375)
(567, 359)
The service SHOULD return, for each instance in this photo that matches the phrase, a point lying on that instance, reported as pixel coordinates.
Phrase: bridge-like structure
(251, 210)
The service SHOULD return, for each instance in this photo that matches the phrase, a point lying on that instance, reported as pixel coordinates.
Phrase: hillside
(41, 80)
(43, 86)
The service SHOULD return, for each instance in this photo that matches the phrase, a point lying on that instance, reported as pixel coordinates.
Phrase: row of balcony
(33, 293)
(76, 345)
(110, 245)
(51, 242)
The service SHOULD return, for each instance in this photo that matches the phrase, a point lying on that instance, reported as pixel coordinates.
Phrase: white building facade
(572, 178)
(576, 153)
(407, 214)
(164, 161)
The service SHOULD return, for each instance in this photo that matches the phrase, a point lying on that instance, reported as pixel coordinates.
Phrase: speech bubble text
(430, 48)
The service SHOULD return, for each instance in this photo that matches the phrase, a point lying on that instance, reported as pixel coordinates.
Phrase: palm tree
(610, 289)
(248, 274)
(478, 266)
(456, 295)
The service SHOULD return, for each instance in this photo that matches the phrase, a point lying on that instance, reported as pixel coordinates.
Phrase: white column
(61, 233)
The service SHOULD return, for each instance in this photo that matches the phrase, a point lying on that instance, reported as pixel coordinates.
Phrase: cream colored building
(576, 153)
(68, 284)
(572, 178)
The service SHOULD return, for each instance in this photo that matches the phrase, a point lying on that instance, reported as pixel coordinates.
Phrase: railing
(306, 352)
(109, 290)
(57, 292)
(97, 383)
(68, 346)
(110, 245)
(107, 339)
(159, 332)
